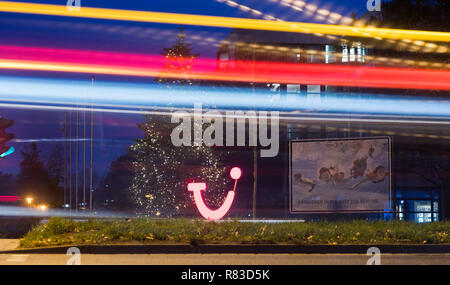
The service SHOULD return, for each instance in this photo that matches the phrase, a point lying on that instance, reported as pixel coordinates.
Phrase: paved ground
(224, 259)
(212, 259)
(8, 244)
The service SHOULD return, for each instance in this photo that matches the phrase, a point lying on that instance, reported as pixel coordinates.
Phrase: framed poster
(340, 175)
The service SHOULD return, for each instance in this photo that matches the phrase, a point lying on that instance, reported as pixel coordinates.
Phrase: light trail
(380, 132)
(332, 17)
(223, 22)
(16, 211)
(320, 13)
(301, 118)
(353, 76)
(138, 65)
(48, 140)
(9, 198)
(285, 116)
(144, 98)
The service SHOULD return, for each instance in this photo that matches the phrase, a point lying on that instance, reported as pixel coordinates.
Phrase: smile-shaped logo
(207, 213)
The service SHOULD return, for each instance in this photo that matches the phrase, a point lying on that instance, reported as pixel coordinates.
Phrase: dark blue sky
(114, 132)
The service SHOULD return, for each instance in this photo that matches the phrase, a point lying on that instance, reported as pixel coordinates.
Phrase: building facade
(420, 170)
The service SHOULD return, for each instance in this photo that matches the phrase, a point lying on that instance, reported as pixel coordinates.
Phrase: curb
(249, 249)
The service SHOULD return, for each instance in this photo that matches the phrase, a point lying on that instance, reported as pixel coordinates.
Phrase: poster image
(340, 175)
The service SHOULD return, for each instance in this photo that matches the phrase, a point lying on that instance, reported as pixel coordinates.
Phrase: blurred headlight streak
(224, 22)
(14, 211)
(121, 97)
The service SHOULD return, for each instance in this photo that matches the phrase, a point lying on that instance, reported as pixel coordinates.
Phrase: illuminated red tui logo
(207, 213)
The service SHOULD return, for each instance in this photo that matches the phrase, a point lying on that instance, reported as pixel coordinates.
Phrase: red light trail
(9, 198)
(139, 65)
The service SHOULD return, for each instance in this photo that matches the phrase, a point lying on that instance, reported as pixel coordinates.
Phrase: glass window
(436, 206)
(344, 54)
(352, 54)
(293, 88)
(330, 54)
(414, 209)
(313, 89)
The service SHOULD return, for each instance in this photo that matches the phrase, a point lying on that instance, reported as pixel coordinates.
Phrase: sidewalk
(11, 247)
(9, 244)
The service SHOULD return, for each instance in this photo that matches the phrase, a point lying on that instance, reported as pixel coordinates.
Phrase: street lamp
(43, 208)
(29, 200)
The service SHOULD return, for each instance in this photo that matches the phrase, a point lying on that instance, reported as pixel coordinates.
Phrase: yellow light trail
(223, 22)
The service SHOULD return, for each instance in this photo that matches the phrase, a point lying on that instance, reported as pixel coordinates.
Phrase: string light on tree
(162, 170)
(179, 61)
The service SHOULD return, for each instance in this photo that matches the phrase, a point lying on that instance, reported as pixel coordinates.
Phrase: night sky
(114, 132)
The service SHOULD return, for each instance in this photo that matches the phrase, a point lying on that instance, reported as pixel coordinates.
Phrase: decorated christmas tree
(179, 63)
(162, 170)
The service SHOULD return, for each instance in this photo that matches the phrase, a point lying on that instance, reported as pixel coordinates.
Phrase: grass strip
(59, 232)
